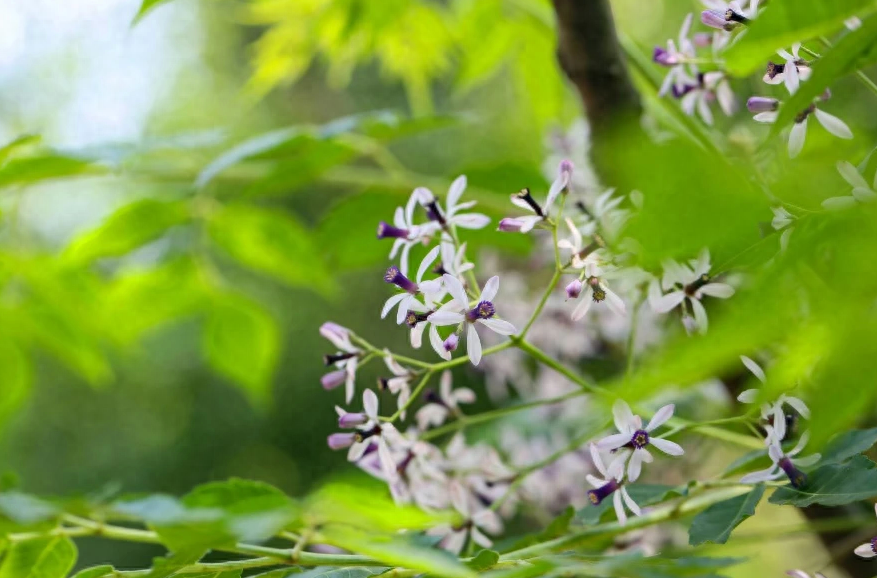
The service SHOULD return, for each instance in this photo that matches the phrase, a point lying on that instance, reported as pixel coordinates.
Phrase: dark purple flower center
(773, 69)
(433, 213)
(662, 57)
(433, 397)
(874, 545)
(484, 310)
(603, 492)
(395, 276)
(640, 439)
(692, 288)
(336, 357)
(388, 231)
(525, 196)
(732, 16)
(412, 318)
(796, 476)
(802, 116)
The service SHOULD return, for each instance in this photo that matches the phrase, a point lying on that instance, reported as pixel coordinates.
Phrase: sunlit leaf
(147, 6)
(241, 341)
(484, 559)
(16, 378)
(39, 558)
(26, 171)
(96, 572)
(168, 566)
(716, 523)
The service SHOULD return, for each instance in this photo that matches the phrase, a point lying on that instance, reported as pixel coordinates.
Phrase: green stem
(545, 359)
(414, 395)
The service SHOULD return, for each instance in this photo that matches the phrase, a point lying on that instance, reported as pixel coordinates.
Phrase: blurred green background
(158, 321)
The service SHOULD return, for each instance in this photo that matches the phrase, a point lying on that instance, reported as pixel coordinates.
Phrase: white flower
(610, 483)
(368, 429)
(690, 283)
(405, 232)
(791, 72)
(407, 300)
(345, 362)
(697, 93)
(525, 200)
(862, 191)
(798, 134)
(632, 435)
(596, 291)
(399, 384)
(783, 221)
(452, 216)
(438, 409)
(457, 312)
(675, 56)
(784, 463)
(774, 412)
(582, 256)
(868, 549)
(476, 521)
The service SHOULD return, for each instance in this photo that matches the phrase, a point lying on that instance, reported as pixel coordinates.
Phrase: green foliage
(833, 485)
(241, 341)
(348, 572)
(168, 566)
(484, 560)
(95, 572)
(147, 6)
(133, 225)
(716, 523)
(853, 52)
(39, 558)
(30, 170)
(785, 22)
(270, 242)
(847, 445)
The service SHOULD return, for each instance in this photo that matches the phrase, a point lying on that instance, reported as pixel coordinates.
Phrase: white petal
(635, 465)
(851, 175)
(490, 289)
(838, 203)
(667, 302)
(427, 262)
(585, 302)
(370, 403)
(392, 302)
(404, 306)
(832, 124)
(619, 509)
(403, 259)
(473, 345)
(499, 326)
(613, 442)
(463, 395)
(748, 396)
(791, 77)
(595, 482)
(356, 451)
(596, 459)
(703, 109)
(527, 223)
(799, 406)
(864, 195)
(699, 315)
(720, 290)
(437, 344)
(388, 464)
(471, 221)
(631, 505)
(771, 473)
(455, 288)
(625, 421)
(556, 188)
(865, 551)
(661, 416)
(480, 538)
(668, 447)
(779, 422)
(417, 335)
(767, 117)
(446, 318)
(725, 96)
(756, 370)
(613, 301)
(797, 574)
(784, 239)
(689, 102)
(796, 138)
(456, 191)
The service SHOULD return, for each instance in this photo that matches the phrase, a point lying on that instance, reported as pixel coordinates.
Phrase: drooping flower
(440, 406)
(698, 92)
(633, 436)
(399, 385)
(610, 484)
(452, 216)
(688, 284)
(408, 301)
(862, 191)
(405, 232)
(477, 522)
(790, 72)
(457, 312)
(868, 549)
(798, 134)
(524, 199)
(345, 362)
(783, 221)
(369, 431)
(597, 292)
(774, 413)
(784, 463)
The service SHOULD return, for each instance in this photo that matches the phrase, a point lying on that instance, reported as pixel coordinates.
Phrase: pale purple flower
(790, 72)
(457, 312)
(774, 412)
(477, 522)
(784, 463)
(596, 292)
(728, 15)
(698, 93)
(611, 483)
(758, 104)
(868, 549)
(687, 285)
(524, 199)
(408, 301)
(405, 232)
(862, 191)
(633, 436)
(452, 215)
(574, 289)
(675, 56)
(400, 384)
(798, 134)
(440, 406)
(345, 362)
(368, 433)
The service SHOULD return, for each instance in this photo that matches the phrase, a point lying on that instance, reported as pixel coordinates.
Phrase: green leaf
(242, 342)
(40, 558)
(347, 572)
(271, 242)
(11, 147)
(167, 567)
(485, 559)
(833, 485)
(145, 7)
(16, 378)
(128, 228)
(853, 51)
(96, 572)
(642, 494)
(847, 445)
(784, 22)
(228, 574)
(26, 171)
(25, 509)
(530, 569)
(716, 523)
(748, 461)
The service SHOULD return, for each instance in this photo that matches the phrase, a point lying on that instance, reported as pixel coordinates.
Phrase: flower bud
(451, 343)
(714, 19)
(349, 420)
(333, 379)
(340, 441)
(703, 39)
(663, 57)
(510, 225)
(762, 104)
(574, 289)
